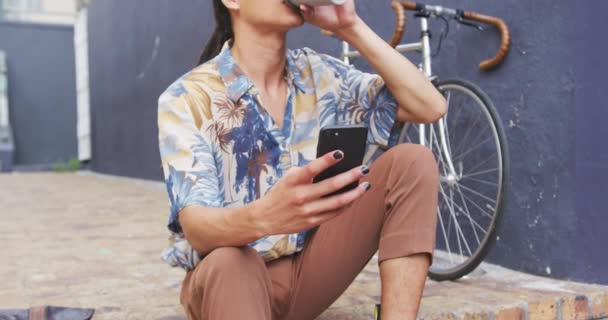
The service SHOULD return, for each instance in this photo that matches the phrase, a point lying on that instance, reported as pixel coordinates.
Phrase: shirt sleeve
(363, 98)
(190, 163)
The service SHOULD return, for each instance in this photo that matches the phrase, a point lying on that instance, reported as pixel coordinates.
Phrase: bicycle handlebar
(505, 36)
(401, 22)
(399, 6)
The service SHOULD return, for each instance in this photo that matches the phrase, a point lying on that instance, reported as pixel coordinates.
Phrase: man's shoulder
(193, 93)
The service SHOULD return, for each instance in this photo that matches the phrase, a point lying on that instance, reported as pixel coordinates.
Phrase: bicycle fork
(425, 67)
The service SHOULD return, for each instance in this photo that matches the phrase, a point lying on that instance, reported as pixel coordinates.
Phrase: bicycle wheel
(471, 196)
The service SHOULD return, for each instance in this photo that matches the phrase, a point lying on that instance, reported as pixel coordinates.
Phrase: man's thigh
(336, 252)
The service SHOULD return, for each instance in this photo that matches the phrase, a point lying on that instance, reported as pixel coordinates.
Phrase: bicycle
(471, 194)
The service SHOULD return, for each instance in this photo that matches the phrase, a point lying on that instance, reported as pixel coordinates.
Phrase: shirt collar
(236, 82)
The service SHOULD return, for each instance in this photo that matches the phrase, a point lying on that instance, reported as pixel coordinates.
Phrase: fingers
(322, 218)
(307, 12)
(333, 203)
(336, 183)
(306, 173)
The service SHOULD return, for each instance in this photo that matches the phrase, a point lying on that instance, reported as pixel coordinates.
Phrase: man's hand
(295, 204)
(331, 18)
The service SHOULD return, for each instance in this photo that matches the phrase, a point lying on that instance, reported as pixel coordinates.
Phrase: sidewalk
(82, 239)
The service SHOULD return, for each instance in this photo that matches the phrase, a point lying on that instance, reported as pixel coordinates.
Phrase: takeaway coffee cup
(314, 3)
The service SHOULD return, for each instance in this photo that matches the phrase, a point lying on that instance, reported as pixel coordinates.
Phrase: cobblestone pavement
(88, 240)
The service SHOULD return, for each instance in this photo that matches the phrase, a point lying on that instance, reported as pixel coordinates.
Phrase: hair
(223, 32)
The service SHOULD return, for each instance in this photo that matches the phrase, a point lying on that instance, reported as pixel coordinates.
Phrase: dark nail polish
(365, 170)
(338, 155)
(368, 186)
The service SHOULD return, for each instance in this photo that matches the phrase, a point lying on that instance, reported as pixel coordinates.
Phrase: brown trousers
(397, 216)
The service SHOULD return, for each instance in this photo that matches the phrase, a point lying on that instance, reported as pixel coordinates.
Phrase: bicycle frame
(423, 46)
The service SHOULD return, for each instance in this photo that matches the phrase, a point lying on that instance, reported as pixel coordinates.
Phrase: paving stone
(90, 240)
(575, 308)
(512, 313)
(599, 305)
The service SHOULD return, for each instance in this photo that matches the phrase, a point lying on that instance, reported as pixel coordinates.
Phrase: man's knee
(415, 158)
(223, 274)
(228, 261)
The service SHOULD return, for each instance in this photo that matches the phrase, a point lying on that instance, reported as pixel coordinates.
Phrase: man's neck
(261, 56)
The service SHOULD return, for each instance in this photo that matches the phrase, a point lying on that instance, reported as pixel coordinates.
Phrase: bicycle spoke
(464, 240)
(447, 243)
(486, 182)
(460, 109)
(473, 221)
(447, 204)
(466, 213)
(440, 156)
(480, 134)
(481, 163)
(461, 155)
(457, 227)
(477, 193)
(479, 173)
(470, 126)
(477, 206)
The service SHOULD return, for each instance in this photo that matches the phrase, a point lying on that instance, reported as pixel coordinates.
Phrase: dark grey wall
(546, 93)
(42, 91)
(137, 48)
(591, 156)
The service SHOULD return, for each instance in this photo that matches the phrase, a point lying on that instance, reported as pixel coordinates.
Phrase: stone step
(491, 292)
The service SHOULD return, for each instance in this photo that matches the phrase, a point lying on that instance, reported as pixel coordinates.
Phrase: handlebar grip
(401, 21)
(409, 5)
(505, 38)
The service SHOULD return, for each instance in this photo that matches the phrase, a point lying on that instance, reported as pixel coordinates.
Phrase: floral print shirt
(220, 148)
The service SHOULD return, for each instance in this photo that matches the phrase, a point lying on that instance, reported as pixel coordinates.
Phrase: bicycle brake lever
(422, 14)
(469, 24)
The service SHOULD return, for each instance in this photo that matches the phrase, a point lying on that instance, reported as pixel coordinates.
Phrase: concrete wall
(135, 51)
(42, 91)
(590, 110)
(546, 93)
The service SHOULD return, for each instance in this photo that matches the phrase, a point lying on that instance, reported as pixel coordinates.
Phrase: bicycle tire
(474, 260)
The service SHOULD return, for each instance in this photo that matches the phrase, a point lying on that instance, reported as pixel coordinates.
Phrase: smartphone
(351, 139)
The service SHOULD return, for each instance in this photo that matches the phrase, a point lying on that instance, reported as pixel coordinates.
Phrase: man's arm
(209, 228)
(419, 101)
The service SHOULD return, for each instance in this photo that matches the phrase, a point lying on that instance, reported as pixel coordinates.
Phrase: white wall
(40, 11)
(82, 86)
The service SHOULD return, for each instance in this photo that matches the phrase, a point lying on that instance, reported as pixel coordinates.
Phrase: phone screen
(352, 141)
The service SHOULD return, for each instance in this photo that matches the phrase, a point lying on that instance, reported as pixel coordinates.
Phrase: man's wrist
(252, 213)
(353, 34)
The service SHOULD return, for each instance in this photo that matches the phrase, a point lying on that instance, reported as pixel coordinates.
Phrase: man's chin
(298, 21)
